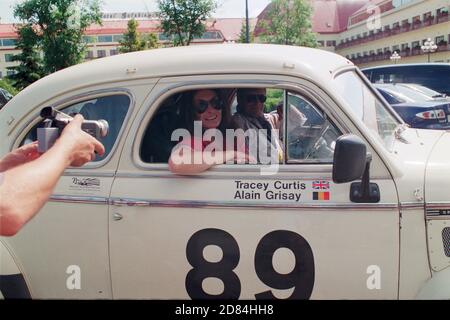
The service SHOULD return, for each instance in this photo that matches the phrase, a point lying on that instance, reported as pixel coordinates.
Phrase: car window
(112, 108)
(389, 97)
(366, 105)
(311, 135)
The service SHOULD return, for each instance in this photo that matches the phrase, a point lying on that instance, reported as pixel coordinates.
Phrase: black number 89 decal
(301, 278)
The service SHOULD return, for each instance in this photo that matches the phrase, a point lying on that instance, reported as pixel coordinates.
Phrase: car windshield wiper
(440, 95)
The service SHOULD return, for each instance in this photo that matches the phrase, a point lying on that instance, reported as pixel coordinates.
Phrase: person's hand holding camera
(81, 147)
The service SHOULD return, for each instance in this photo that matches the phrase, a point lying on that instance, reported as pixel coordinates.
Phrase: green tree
(6, 84)
(152, 41)
(29, 69)
(289, 22)
(243, 35)
(132, 40)
(59, 26)
(184, 19)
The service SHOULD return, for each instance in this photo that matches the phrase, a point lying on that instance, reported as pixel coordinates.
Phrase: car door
(233, 232)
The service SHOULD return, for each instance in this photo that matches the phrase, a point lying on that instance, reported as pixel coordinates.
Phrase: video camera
(55, 122)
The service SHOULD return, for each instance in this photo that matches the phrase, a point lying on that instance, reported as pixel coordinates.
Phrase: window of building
(439, 40)
(8, 42)
(320, 43)
(117, 37)
(404, 46)
(405, 22)
(379, 51)
(89, 55)
(396, 25)
(427, 15)
(442, 11)
(101, 53)
(113, 52)
(9, 57)
(371, 52)
(88, 39)
(331, 43)
(1, 75)
(208, 35)
(416, 19)
(164, 37)
(105, 39)
(10, 73)
(386, 49)
(415, 44)
(395, 48)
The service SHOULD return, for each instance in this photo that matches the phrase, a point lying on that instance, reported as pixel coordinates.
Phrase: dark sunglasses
(253, 98)
(202, 105)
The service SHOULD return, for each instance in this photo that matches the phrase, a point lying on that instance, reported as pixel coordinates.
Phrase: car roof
(403, 65)
(318, 65)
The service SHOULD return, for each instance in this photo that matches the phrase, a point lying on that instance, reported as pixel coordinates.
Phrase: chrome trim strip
(432, 218)
(79, 199)
(268, 205)
(104, 174)
(437, 205)
(168, 175)
(412, 205)
(218, 204)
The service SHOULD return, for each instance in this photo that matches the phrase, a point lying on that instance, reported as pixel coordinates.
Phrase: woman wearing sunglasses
(205, 107)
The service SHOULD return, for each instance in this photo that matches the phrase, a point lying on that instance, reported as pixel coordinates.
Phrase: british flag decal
(321, 185)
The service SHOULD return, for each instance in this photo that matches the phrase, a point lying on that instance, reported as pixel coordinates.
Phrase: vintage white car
(359, 207)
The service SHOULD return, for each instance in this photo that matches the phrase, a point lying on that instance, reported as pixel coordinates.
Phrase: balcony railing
(403, 53)
(418, 24)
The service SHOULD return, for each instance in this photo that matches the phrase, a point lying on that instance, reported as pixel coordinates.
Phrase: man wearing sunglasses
(250, 115)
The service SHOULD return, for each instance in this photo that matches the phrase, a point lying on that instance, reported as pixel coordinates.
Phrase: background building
(404, 26)
(365, 31)
(103, 41)
(369, 31)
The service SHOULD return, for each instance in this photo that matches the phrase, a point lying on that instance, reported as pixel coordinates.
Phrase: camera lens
(104, 127)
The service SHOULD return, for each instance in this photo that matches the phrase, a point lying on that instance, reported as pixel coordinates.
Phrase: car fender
(438, 287)
(12, 281)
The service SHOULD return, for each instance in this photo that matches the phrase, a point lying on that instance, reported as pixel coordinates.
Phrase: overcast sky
(227, 8)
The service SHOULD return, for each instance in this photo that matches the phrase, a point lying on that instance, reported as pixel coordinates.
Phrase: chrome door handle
(130, 203)
(117, 216)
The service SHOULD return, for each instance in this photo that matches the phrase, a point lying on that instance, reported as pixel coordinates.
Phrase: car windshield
(366, 105)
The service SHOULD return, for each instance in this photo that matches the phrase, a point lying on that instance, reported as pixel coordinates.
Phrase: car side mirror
(349, 162)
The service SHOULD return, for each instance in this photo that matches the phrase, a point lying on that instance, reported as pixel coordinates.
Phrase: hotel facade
(367, 32)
